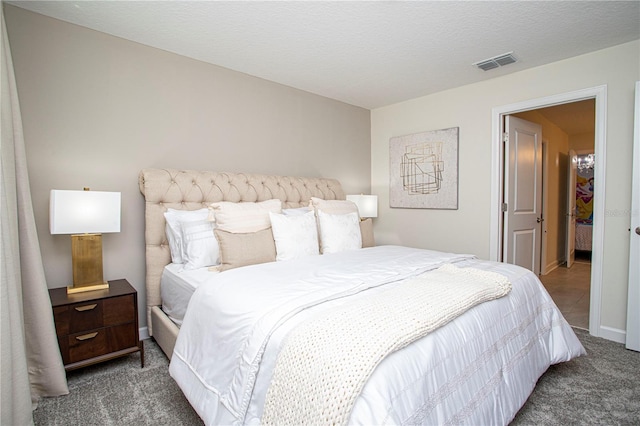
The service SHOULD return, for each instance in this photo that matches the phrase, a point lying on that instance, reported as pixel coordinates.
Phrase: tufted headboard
(192, 190)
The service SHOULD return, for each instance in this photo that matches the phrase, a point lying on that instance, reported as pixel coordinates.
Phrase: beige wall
(470, 108)
(96, 109)
(555, 195)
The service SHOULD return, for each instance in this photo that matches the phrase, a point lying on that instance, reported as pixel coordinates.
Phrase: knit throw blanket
(326, 360)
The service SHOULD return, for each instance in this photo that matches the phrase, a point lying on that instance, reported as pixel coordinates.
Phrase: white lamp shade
(84, 212)
(367, 204)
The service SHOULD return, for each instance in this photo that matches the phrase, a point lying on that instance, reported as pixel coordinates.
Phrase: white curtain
(30, 359)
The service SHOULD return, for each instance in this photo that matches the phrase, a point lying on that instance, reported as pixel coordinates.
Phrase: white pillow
(339, 232)
(295, 236)
(245, 217)
(201, 247)
(173, 230)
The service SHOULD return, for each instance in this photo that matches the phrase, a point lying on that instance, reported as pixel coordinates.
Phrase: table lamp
(85, 215)
(367, 205)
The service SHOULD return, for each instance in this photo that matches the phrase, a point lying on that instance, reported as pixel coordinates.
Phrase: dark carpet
(119, 392)
(602, 388)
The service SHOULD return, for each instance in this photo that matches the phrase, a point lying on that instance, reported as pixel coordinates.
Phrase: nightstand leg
(141, 345)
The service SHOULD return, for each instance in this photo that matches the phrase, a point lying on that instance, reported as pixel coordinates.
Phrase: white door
(522, 193)
(633, 301)
(570, 251)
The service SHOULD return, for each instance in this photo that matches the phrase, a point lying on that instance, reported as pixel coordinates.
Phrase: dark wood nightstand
(96, 326)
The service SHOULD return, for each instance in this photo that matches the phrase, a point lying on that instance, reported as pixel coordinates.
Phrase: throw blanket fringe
(326, 361)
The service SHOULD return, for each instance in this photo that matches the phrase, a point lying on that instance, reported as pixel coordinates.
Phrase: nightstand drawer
(79, 317)
(81, 346)
(85, 316)
(85, 345)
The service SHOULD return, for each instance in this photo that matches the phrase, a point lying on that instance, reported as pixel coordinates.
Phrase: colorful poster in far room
(584, 199)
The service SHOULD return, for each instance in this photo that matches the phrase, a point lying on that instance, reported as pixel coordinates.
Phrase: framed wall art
(423, 170)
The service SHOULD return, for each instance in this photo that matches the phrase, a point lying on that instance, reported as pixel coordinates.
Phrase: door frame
(599, 93)
(633, 293)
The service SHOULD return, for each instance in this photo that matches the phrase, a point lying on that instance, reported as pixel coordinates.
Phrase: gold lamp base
(86, 258)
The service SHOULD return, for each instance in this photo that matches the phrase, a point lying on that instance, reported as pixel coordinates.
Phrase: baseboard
(551, 266)
(613, 334)
(144, 333)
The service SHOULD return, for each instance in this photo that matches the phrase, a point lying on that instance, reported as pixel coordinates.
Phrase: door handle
(86, 307)
(638, 230)
(87, 336)
(539, 219)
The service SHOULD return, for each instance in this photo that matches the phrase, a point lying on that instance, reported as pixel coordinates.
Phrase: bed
(584, 236)
(229, 355)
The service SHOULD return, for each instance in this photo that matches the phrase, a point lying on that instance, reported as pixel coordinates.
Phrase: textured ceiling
(368, 54)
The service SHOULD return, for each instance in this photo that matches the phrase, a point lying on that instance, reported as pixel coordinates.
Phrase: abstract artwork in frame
(423, 170)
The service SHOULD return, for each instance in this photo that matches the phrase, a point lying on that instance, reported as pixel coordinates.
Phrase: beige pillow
(242, 249)
(244, 217)
(333, 206)
(344, 207)
(366, 229)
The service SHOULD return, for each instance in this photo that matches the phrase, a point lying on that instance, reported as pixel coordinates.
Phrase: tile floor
(570, 290)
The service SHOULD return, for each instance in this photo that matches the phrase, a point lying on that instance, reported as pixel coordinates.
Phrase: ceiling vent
(496, 61)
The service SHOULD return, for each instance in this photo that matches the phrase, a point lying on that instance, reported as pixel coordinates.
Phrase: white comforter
(478, 369)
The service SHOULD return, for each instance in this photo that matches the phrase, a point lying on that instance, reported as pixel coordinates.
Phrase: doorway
(598, 96)
(568, 131)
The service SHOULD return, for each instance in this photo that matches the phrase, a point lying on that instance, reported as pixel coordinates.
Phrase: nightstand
(96, 326)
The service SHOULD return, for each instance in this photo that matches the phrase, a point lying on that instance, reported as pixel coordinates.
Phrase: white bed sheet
(177, 286)
(478, 369)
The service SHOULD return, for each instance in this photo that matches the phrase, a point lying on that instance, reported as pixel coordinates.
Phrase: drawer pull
(86, 307)
(87, 336)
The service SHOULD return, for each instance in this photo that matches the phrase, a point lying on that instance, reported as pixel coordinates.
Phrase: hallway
(570, 290)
